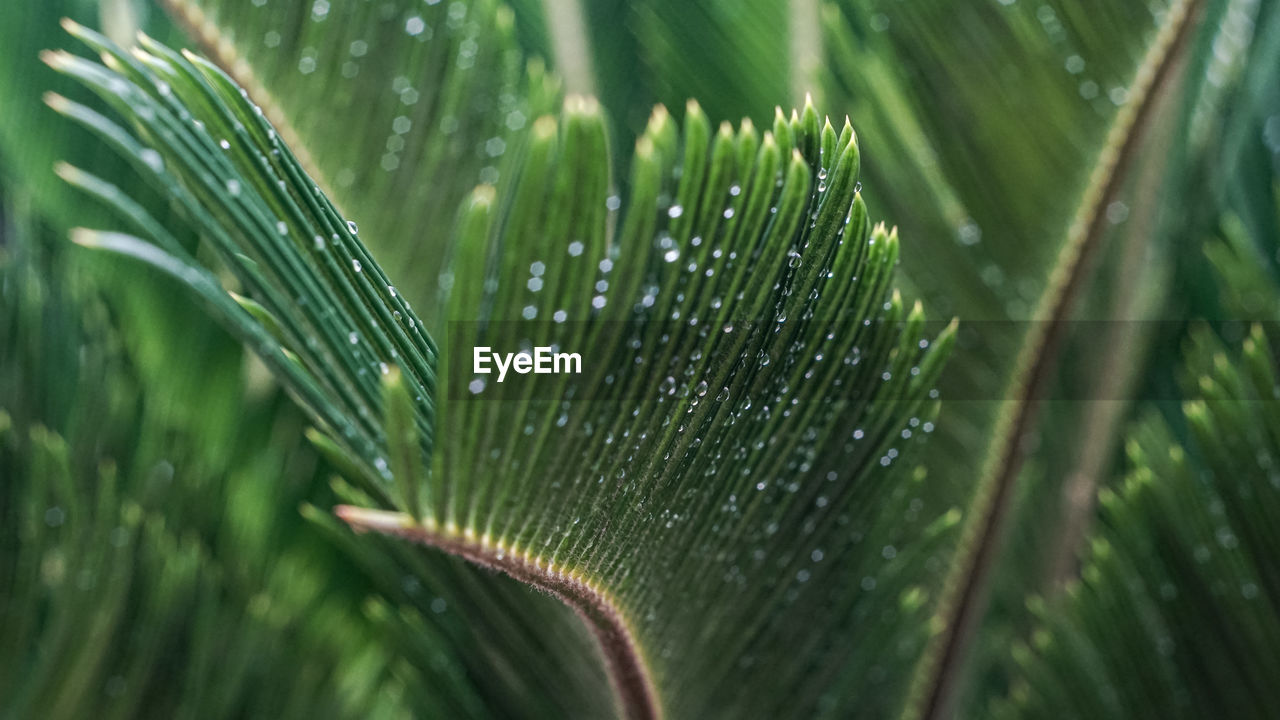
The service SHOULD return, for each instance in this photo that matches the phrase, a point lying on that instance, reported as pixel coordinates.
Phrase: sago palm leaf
(701, 447)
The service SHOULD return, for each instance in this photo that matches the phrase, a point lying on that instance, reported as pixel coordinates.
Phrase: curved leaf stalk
(937, 678)
(633, 684)
(1138, 282)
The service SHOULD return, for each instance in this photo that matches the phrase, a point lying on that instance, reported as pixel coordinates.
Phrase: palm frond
(704, 212)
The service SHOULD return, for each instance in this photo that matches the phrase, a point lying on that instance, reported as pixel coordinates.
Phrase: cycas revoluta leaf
(746, 375)
(387, 100)
(1042, 31)
(748, 390)
(462, 620)
(341, 324)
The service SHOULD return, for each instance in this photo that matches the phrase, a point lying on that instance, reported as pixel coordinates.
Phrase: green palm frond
(683, 255)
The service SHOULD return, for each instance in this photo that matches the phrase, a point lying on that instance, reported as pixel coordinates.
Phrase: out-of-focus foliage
(1188, 534)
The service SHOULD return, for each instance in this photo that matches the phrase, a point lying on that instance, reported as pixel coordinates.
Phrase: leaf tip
(71, 26)
(66, 170)
(645, 148)
(56, 59)
(544, 128)
(369, 520)
(59, 103)
(85, 237)
(483, 197)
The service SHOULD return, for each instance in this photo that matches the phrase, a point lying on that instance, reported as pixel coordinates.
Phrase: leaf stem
(632, 683)
(1137, 281)
(964, 594)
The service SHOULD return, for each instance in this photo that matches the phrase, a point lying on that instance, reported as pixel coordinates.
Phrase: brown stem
(632, 684)
(1134, 278)
(936, 683)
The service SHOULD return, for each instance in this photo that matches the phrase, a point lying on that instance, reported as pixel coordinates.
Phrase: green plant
(774, 489)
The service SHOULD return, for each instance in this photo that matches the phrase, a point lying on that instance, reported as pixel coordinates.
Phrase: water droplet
(675, 211)
(152, 159)
(1117, 212)
(355, 265)
(351, 227)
